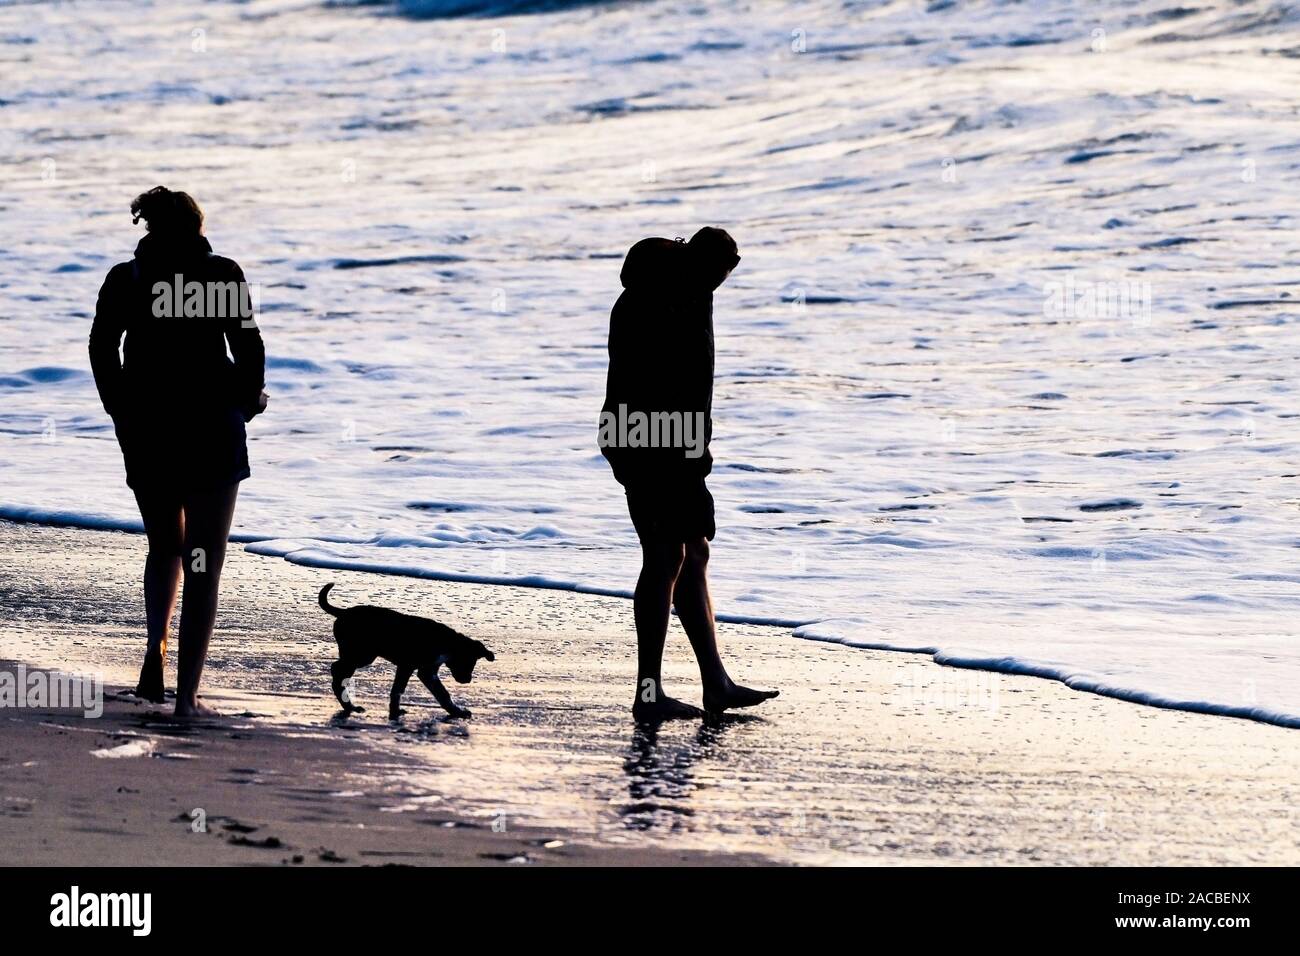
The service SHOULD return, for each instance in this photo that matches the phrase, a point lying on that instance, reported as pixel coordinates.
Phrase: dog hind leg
(341, 671)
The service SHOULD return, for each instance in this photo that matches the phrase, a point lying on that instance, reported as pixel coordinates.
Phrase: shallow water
(920, 442)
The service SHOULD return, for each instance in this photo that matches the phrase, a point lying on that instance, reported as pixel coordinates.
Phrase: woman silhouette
(179, 404)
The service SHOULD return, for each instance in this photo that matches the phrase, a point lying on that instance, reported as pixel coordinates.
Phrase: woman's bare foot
(150, 685)
(732, 694)
(665, 708)
(194, 710)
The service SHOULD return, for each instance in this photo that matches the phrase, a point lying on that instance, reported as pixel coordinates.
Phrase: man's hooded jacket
(661, 357)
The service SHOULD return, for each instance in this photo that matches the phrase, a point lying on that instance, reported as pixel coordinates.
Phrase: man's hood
(663, 266)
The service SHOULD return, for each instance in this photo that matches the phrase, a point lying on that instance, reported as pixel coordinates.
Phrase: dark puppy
(415, 644)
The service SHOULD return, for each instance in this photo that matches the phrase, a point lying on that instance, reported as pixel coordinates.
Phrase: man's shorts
(672, 509)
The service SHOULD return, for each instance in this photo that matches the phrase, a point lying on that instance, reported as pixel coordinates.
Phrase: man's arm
(644, 356)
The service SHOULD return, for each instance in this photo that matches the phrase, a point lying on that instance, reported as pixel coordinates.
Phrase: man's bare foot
(150, 685)
(732, 694)
(665, 708)
(194, 710)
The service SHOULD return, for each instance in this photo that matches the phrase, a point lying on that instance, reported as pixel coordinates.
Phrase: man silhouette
(655, 430)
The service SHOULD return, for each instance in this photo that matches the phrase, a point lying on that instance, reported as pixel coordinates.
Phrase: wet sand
(867, 757)
(135, 788)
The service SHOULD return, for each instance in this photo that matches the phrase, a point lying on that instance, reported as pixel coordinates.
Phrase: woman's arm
(249, 354)
(105, 337)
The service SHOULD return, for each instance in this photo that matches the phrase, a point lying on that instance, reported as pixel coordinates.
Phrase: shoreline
(793, 627)
(868, 757)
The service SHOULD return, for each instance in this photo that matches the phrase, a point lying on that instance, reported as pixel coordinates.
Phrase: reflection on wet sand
(660, 782)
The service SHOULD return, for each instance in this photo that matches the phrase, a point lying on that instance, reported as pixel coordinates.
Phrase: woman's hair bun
(168, 212)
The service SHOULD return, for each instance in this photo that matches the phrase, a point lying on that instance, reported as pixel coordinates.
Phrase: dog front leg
(429, 677)
(399, 688)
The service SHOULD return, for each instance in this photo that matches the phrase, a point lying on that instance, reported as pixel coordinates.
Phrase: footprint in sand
(234, 826)
(268, 843)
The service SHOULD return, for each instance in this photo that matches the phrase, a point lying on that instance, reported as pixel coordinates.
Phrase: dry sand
(867, 757)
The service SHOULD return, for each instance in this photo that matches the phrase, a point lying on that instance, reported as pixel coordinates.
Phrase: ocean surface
(1006, 374)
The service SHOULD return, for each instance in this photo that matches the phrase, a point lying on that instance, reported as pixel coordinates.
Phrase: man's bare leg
(652, 605)
(695, 611)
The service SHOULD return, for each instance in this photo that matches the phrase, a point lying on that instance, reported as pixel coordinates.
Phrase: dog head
(461, 664)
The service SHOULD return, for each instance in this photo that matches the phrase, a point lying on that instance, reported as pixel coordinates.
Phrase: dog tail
(326, 606)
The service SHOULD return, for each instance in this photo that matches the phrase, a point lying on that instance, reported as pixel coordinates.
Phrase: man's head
(713, 254)
(461, 663)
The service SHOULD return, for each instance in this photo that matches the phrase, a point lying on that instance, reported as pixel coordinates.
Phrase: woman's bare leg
(207, 528)
(164, 526)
